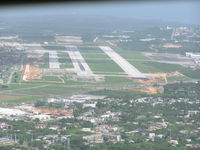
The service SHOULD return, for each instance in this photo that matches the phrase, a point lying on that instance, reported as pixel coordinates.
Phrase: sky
(170, 11)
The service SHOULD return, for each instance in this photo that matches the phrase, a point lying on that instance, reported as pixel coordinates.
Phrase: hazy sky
(184, 12)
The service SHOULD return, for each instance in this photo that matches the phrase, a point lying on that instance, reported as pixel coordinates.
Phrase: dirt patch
(31, 72)
(159, 77)
(170, 45)
(156, 79)
(151, 90)
(54, 112)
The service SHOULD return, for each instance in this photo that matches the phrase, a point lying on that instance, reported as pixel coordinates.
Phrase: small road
(10, 77)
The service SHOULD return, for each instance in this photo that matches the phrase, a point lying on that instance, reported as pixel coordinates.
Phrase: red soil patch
(54, 112)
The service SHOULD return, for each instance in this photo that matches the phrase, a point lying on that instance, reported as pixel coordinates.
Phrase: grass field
(16, 78)
(14, 99)
(151, 66)
(103, 65)
(54, 47)
(130, 54)
(53, 90)
(89, 50)
(4, 97)
(117, 93)
(174, 79)
(49, 79)
(95, 56)
(65, 61)
(18, 86)
(98, 61)
(117, 80)
(45, 59)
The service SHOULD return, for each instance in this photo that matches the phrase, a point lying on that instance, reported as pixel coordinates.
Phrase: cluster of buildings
(106, 125)
(195, 58)
(28, 111)
(101, 138)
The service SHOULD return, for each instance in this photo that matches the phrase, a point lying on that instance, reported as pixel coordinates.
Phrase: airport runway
(79, 62)
(53, 60)
(123, 63)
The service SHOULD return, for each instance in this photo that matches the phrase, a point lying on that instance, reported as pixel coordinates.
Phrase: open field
(152, 66)
(98, 60)
(4, 97)
(95, 55)
(131, 54)
(45, 61)
(169, 58)
(53, 79)
(22, 85)
(93, 50)
(54, 47)
(117, 80)
(14, 99)
(65, 61)
(53, 90)
(103, 66)
(177, 79)
(117, 93)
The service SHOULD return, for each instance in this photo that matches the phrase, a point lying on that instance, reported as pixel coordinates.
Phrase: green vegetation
(95, 56)
(130, 54)
(65, 61)
(151, 66)
(52, 90)
(22, 99)
(90, 50)
(159, 145)
(75, 132)
(184, 90)
(16, 77)
(118, 93)
(45, 61)
(51, 47)
(117, 80)
(19, 86)
(135, 46)
(49, 79)
(98, 65)
(177, 78)
(98, 61)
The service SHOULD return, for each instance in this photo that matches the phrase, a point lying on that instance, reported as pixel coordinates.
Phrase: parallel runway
(79, 62)
(53, 60)
(123, 63)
